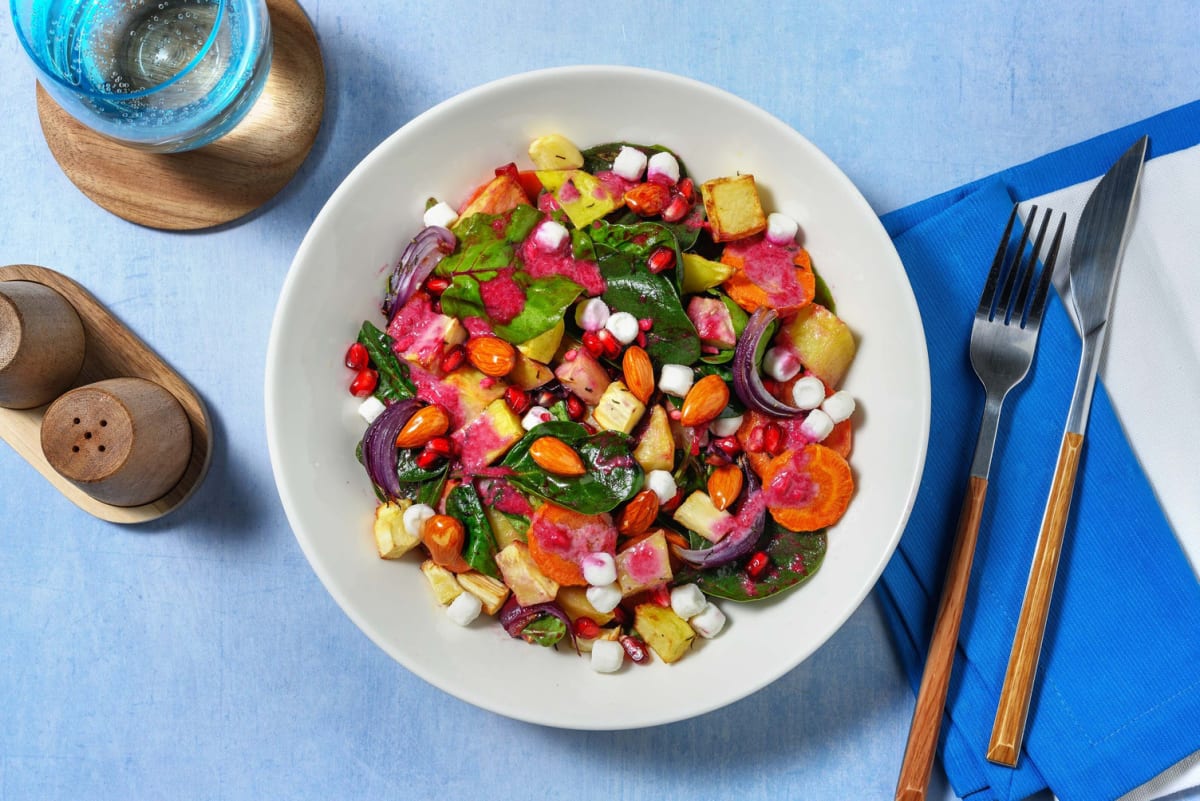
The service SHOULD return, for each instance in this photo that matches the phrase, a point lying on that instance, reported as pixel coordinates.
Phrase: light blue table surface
(200, 657)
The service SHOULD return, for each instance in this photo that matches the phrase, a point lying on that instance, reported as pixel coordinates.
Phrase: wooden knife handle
(931, 697)
(1009, 729)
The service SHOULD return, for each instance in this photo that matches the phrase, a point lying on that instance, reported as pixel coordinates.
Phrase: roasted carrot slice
(750, 296)
(808, 489)
(559, 538)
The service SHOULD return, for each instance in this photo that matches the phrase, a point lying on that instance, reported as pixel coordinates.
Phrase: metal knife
(1095, 260)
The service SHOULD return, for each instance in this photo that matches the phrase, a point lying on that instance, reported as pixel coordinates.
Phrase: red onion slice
(379, 445)
(417, 261)
(750, 519)
(747, 382)
(515, 617)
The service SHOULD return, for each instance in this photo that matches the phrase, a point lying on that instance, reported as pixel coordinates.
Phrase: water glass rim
(51, 74)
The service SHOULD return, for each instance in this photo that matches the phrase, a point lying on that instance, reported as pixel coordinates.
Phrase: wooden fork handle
(1009, 728)
(935, 681)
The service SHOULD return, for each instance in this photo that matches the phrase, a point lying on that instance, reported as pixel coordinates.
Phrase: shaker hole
(101, 449)
(75, 449)
(76, 421)
(103, 423)
(87, 435)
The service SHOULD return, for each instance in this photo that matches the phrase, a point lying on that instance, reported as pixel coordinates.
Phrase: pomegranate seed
(509, 169)
(695, 449)
(575, 408)
(660, 595)
(754, 442)
(546, 399)
(774, 438)
(427, 460)
(729, 446)
(453, 358)
(716, 459)
(357, 357)
(436, 284)
(620, 616)
(442, 446)
(661, 259)
(591, 429)
(686, 189)
(609, 343)
(364, 383)
(635, 649)
(641, 339)
(592, 343)
(757, 564)
(645, 323)
(771, 386)
(517, 400)
(676, 210)
(587, 628)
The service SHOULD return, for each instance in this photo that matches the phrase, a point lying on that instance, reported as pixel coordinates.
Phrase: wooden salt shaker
(124, 441)
(41, 344)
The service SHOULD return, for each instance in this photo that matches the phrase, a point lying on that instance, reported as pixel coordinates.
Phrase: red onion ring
(515, 617)
(417, 261)
(379, 445)
(737, 543)
(747, 382)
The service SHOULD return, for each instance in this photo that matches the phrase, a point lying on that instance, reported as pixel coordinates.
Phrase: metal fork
(1003, 338)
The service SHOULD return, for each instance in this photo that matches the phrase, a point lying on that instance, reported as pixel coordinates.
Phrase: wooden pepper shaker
(124, 441)
(41, 344)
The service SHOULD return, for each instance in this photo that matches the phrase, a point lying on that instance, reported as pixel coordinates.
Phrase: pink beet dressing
(477, 326)
(417, 330)
(503, 298)
(613, 184)
(431, 389)
(568, 192)
(771, 268)
(643, 563)
(573, 544)
(503, 497)
(476, 442)
(791, 487)
(750, 509)
(540, 264)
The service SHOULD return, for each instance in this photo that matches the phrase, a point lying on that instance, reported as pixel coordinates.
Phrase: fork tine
(988, 297)
(1043, 290)
(1017, 265)
(1019, 310)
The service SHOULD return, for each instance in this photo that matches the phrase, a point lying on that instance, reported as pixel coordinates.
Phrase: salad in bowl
(604, 399)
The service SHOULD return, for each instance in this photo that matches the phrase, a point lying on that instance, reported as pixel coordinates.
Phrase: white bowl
(335, 283)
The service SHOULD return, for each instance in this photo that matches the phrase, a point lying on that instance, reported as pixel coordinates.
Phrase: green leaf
(638, 239)
(479, 551)
(736, 313)
(634, 289)
(408, 472)
(794, 559)
(546, 301)
(720, 357)
(612, 476)
(394, 383)
(545, 630)
(600, 158)
(822, 295)
(430, 492)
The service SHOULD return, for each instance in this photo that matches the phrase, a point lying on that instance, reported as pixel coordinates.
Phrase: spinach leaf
(546, 630)
(822, 295)
(633, 288)
(600, 158)
(487, 252)
(638, 240)
(720, 357)
(429, 492)
(794, 559)
(479, 550)
(394, 383)
(407, 470)
(612, 476)
(686, 232)
(546, 301)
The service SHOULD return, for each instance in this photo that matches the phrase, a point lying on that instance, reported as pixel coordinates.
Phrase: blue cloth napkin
(1117, 698)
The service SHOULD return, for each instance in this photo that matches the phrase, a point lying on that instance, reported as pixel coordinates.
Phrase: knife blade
(1095, 261)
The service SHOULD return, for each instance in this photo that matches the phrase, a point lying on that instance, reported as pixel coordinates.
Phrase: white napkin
(1151, 365)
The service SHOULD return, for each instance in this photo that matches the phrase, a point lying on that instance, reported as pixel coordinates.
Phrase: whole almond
(428, 422)
(724, 485)
(557, 457)
(639, 373)
(491, 356)
(638, 515)
(705, 400)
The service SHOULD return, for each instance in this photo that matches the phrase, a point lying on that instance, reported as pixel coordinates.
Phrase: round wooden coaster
(217, 183)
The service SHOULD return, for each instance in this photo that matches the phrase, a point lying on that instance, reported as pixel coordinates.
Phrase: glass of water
(156, 75)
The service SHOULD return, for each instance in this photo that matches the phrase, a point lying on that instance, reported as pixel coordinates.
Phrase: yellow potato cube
(444, 584)
(667, 634)
(733, 208)
(391, 537)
